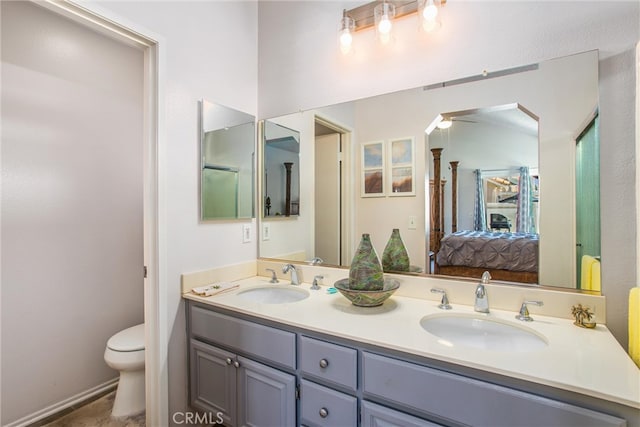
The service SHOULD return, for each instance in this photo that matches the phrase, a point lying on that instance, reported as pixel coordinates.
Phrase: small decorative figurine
(583, 316)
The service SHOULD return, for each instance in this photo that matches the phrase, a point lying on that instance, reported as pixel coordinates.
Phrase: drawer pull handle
(324, 363)
(236, 364)
(229, 361)
(324, 412)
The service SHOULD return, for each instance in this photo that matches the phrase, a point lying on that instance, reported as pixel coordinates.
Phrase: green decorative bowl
(367, 298)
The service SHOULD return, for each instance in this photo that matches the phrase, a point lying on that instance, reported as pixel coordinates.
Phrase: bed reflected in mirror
(485, 202)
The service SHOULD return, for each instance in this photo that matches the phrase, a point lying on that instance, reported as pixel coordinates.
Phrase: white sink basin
(481, 332)
(275, 294)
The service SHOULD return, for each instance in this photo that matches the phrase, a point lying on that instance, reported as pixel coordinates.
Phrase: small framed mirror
(281, 185)
(227, 169)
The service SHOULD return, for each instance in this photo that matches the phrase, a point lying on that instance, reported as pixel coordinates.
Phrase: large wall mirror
(227, 153)
(535, 125)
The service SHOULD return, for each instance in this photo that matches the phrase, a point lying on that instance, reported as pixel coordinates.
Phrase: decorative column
(436, 229)
(454, 196)
(287, 200)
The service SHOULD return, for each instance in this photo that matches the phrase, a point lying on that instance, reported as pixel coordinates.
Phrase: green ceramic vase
(395, 256)
(365, 272)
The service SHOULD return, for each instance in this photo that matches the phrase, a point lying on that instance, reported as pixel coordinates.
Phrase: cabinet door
(266, 396)
(379, 416)
(213, 382)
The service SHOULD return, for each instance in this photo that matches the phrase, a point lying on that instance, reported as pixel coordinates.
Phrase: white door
(327, 198)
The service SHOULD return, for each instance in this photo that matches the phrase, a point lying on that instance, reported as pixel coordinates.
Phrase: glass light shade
(384, 14)
(428, 11)
(345, 33)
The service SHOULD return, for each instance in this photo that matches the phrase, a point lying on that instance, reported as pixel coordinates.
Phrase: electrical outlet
(412, 223)
(246, 233)
(266, 231)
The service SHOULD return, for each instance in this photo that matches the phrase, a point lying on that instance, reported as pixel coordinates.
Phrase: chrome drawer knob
(229, 361)
(324, 363)
(236, 364)
(324, 412)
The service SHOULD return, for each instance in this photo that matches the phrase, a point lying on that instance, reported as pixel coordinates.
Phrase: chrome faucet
(524, 311)
(315, 286)
(274, 278)
(294, 273)
(316, 261)
(482, 299)
(444, 303)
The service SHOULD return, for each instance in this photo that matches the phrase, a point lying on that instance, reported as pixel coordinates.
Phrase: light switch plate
(266, 231)
(246, 233)
(412, 223)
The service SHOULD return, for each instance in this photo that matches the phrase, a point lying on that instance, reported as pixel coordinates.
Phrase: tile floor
(96, 414)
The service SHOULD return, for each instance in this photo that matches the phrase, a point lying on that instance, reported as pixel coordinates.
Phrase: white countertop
(587, 361)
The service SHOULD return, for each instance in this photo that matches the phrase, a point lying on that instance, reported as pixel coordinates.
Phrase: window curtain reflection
(524, 211)
(479, 211)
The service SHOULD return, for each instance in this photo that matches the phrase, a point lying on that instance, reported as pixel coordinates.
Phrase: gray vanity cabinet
(251, 374)
(240, 391)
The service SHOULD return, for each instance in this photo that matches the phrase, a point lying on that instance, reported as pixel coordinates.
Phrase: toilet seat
(130, 339)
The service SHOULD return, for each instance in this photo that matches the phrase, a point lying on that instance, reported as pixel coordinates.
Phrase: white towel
(214, 289)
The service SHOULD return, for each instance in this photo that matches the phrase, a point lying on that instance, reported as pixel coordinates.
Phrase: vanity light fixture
(381, 15)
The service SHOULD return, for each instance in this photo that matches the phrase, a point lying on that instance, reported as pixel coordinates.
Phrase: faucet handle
(315, 285)
(524, 311)
(444, 303)
(274, 278)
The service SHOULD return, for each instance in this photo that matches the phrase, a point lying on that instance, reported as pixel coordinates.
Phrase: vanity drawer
(466, 400)
(259, 341)
(321, 406)
(329, 362)
(379, 416)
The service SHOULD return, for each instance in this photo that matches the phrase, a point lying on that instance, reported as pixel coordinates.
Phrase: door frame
(347, 183)
(155, 282)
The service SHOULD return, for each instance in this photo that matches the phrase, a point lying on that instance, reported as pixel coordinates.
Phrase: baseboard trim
(63, 405)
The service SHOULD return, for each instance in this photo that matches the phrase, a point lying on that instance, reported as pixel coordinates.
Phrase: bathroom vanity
(321, 361)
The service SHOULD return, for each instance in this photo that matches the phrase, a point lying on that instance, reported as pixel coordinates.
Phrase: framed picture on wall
(373, 169)
(401, 167)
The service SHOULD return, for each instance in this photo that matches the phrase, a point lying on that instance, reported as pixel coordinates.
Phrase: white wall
(199, 62)
(475, 36)
(72, 242)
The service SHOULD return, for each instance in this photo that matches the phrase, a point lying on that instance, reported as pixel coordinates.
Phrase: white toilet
(125, 353)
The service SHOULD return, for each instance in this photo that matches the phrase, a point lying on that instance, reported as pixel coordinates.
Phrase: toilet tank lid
(130, 339)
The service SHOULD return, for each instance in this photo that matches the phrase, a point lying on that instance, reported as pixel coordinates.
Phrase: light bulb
(445, 124)
(383, 14)
(384, 27)
(430, 11)
(346, 39)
